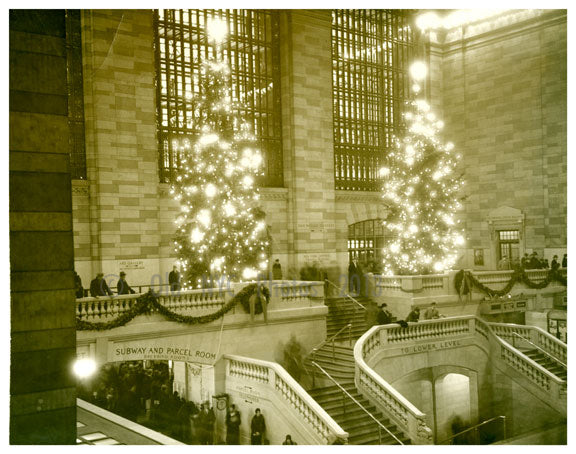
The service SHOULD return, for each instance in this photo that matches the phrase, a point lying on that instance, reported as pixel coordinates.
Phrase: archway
(452, 404)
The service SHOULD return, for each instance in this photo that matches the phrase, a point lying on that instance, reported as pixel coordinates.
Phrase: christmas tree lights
(220, 229)
(421, 189)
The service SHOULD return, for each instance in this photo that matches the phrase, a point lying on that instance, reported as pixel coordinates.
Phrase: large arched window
(365, 241)
(371, 51)
(252, 50)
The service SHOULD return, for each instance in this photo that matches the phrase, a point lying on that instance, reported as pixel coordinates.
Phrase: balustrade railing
(545, 380)
(201, 301)
(394, 405)
(409, 418)
(433, 281)
(540, 338)
(285, 388)
(428, 330)
(389, 282)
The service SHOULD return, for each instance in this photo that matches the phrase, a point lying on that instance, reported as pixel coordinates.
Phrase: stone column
(43, 333)
(308, 144)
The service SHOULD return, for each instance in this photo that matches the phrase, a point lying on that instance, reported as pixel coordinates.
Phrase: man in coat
(123, 287)
(99, 287)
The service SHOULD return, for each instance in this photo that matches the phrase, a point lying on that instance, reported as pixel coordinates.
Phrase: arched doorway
(365, 243)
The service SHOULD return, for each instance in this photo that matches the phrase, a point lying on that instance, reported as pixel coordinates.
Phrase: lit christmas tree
(421, 189)
(221, 231)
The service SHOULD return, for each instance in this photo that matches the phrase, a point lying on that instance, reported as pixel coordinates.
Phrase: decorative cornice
(80, 187)
(273, 194)
(358, 196)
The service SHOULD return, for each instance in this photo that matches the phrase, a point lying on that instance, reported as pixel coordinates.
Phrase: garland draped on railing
(464, 281)
(148, 303)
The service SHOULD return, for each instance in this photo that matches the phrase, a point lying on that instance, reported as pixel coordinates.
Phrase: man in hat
(123, 287)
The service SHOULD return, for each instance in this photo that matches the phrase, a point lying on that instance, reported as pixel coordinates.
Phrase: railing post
(504, 426)
(379, 435)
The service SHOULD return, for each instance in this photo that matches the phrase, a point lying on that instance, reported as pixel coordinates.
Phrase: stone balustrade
(273, 378)
(197, 302)
(534, 334)
(431, 283)
(408, 418)
(393, 404)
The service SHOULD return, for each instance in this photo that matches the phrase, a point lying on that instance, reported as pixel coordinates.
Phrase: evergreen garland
(148, 303)
(465, 280)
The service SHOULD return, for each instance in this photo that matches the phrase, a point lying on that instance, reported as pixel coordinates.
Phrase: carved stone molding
(273, 194)
(358, 197)
(80, 188)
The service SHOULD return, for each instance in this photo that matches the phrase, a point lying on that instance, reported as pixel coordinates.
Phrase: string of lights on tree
(421, 189)
(220, 230)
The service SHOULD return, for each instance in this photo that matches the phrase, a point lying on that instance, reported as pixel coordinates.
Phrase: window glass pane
(371, 51)
(252, 52)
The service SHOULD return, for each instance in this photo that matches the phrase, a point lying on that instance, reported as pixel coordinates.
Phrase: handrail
(380, 425)
(541, 349)
(333, 338)
(299, 392)
(346, 294)
(476, 427)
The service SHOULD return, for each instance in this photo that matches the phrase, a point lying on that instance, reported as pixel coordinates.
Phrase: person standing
(174, 279)
(353, 278)
(123, 287)
(257, 428)
(504, 264)
(258, 296)
(78, 286)
(565, 261)
(555, 264)
(99, 287)
(277, 270)
(233, 422)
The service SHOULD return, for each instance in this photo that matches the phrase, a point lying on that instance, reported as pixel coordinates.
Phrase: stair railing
(559, 361)
(347, 295)
(327, 341)
(347, 394)
(475, 429)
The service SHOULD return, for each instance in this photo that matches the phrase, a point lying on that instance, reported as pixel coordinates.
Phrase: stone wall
(122, 213)
(500, 88)
(43, 334)
(504, 103)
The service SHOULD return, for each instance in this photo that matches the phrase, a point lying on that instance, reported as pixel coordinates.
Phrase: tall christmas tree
(221, 231)
(421, 188)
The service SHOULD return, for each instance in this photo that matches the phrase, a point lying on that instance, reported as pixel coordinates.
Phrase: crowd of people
(144, 395)
(532, 262)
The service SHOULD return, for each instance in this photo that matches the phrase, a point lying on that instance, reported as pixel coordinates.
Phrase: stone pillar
(308, 136)
(121, 146)
(43, 333)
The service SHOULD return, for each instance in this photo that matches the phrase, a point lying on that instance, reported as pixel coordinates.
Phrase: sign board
(131, 264)
(178, 349)
(248, 393)
(422, 348)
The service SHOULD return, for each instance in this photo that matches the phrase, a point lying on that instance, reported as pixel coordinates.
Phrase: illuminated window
(365, 241)
(509, 241)
(252, 52)
(371, 52)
